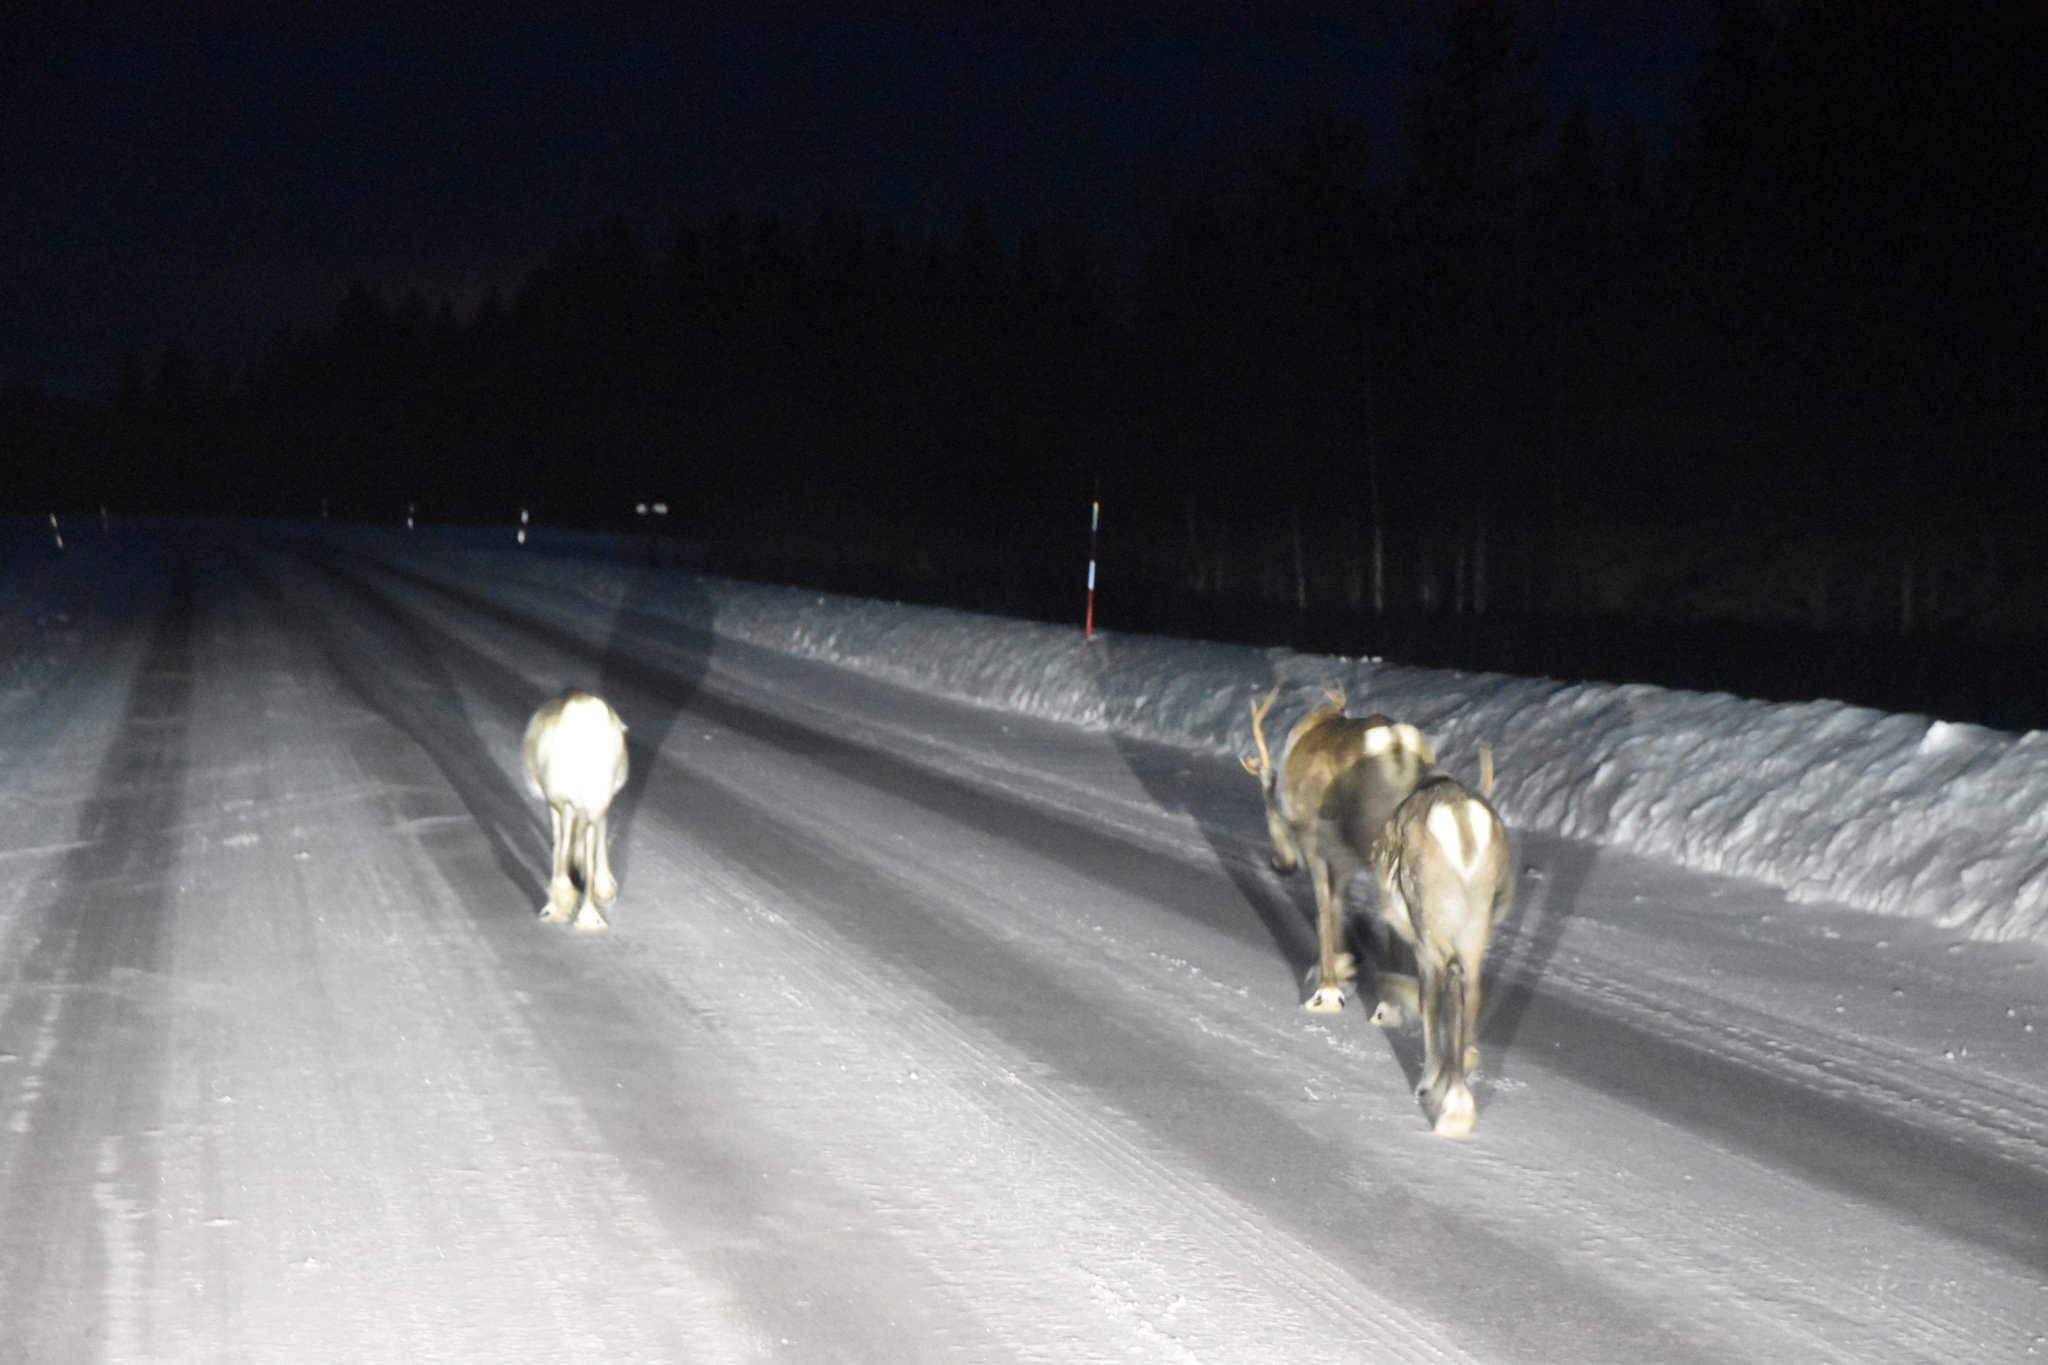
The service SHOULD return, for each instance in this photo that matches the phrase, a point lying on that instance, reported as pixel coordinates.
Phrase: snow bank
(1890, 813)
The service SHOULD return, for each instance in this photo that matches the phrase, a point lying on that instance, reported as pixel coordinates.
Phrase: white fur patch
(578, 754)
(1443, 823)
(1397, 739)
(1414, 743)
(1482, 830)
(1463, 840)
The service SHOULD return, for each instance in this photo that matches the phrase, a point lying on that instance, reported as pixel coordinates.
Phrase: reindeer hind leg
(588, 916)
(561, 891)
(1399, 990)
(604, 886)
(1333, 965)
(1452, 1051)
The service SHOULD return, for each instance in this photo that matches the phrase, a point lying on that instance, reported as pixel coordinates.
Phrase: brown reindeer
(1328, 799)
(1445, 877)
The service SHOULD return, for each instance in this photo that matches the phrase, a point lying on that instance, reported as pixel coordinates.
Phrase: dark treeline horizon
(1786, 374)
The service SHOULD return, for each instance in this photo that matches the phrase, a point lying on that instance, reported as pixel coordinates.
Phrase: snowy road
(923, 1033)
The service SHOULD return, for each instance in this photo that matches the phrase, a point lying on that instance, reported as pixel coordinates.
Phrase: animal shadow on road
(1547, 894)
(1230, 817)
(653, 661)
(388, 661)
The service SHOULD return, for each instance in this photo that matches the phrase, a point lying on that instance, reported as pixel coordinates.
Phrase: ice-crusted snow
(1897, 814)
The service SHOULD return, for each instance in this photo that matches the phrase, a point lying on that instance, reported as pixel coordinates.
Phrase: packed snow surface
(950, 1009)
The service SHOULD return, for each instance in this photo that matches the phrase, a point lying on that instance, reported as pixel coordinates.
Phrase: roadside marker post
(1094, 524)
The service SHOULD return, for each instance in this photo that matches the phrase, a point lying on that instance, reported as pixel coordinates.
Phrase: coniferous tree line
(1778, 367)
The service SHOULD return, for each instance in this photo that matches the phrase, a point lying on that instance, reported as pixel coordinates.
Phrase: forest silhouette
(1756, 404)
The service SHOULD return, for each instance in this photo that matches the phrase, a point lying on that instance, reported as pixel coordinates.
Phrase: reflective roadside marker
(1094, 521)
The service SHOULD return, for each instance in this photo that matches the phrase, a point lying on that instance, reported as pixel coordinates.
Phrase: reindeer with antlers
(1328, 799)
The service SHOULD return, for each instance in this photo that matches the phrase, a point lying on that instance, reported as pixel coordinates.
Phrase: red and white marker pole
(1094, 522)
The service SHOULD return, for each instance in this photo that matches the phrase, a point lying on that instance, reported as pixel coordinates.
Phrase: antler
(1262, 765)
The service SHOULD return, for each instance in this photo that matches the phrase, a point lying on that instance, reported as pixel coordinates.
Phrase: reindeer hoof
(1455, 1116)
(1400, 1001)
(589, 918)
(553, 913)
(1326, 1000)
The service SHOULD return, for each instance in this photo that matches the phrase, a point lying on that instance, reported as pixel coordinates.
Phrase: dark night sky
(214, 174)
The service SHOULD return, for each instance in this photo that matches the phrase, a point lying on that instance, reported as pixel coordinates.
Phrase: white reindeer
(576, 763)
(1445, 877)
(1328, 799)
